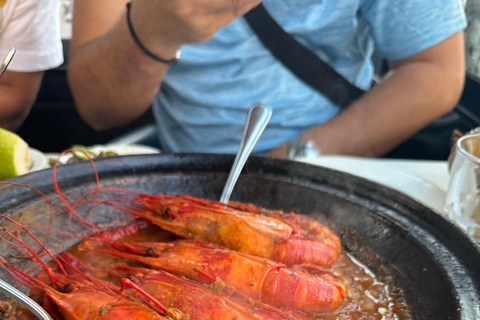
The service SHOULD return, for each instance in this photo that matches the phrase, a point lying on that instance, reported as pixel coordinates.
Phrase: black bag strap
(306, 65)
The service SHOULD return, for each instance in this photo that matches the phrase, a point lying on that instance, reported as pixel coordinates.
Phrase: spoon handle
(7, 60)
(24, 300)
(257, 119)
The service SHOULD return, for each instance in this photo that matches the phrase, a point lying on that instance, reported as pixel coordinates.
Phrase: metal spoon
(257, 119)
(7, 60)
(24, 300)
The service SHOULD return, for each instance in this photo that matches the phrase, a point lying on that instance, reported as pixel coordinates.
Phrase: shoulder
(406, 27)
(33, 28)
(17, 15)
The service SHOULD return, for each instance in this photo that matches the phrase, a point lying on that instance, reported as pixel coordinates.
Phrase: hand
(164, 25)
(279, 152)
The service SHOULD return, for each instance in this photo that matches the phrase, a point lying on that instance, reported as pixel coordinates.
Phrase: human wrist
(155, 47)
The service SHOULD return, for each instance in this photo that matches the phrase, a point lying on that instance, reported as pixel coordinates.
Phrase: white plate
(39, 160)
(382, 171)
(121, 150)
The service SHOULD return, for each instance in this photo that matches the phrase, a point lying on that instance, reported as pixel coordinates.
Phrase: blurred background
(53, 124)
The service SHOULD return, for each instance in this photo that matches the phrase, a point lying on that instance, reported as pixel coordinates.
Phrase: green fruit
(14, 155)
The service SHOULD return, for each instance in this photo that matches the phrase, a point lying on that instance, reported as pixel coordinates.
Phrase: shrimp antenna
(35, 256)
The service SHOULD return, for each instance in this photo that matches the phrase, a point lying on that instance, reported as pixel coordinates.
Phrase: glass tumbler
(463, 194)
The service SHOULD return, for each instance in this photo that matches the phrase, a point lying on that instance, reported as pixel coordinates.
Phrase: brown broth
(12, 311)
(369, 298)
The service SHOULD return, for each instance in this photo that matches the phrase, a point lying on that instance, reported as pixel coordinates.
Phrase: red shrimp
(191, 298)
(304, 224)
(78, 297)
(255, 277)
(199, 301)
(258, 234)
(81, 301)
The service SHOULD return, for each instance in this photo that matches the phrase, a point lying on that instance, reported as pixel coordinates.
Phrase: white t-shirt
(33, 28)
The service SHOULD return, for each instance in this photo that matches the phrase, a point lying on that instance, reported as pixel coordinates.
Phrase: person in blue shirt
(200, 104)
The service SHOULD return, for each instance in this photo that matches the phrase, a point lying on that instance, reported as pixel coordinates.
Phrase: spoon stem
(257, 119)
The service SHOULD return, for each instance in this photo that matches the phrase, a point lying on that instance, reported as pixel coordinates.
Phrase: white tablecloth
(425, 181)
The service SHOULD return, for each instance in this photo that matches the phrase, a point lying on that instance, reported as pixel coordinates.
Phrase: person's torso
(204, 99)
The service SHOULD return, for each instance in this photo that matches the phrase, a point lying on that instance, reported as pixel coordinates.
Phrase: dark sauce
(10, 310)
(369, 298)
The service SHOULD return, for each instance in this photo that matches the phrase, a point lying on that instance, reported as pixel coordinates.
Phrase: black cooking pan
(434, 262)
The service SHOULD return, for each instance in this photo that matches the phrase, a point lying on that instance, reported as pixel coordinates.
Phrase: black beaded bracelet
(142, 47)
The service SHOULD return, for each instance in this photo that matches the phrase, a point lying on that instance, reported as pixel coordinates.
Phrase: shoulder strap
(306, 65)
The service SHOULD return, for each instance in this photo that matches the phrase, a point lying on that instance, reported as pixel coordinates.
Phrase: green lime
(14, 155)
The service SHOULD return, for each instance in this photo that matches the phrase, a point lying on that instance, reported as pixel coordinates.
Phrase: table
(425, 181)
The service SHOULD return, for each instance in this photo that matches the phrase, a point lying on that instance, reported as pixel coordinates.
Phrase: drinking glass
(463, 194)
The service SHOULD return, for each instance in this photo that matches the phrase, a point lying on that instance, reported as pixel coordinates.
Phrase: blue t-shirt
(203, 101)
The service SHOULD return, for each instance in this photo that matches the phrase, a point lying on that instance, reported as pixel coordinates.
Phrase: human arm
(33, 28)
(111, 79)
(420, 89)
(18, 91)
